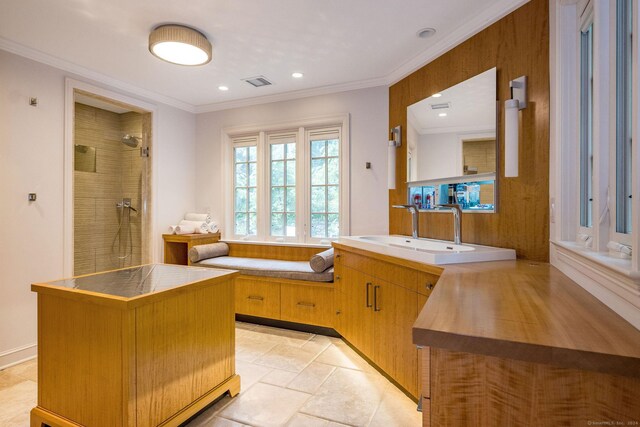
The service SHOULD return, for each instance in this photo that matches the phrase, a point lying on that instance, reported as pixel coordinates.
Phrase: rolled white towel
(172, 229)
(201, 227)
(198, 217)
(185, 229)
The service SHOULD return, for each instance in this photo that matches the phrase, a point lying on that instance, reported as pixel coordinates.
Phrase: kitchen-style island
(142, 346)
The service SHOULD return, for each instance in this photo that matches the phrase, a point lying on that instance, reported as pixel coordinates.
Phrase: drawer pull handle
(255, 298)
(337, 277)
(430, 286)
(306, 304)
(337, 255)
(367, 294)
(375, 298)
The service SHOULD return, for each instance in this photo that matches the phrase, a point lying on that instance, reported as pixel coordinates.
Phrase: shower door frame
(150, 245)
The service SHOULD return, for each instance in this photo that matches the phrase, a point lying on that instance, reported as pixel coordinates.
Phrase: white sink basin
(424, 245)
(427, 250)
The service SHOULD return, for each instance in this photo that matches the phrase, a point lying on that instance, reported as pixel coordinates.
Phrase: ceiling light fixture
(223, 88)
(426, 33)
(297, 75)
(180, 45)
(442, 114)
(436, 95)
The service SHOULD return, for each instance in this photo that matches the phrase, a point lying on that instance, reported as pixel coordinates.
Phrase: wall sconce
(517, 102)
(394, 143)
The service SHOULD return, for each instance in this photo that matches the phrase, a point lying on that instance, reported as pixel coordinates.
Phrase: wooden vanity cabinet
(377, 303)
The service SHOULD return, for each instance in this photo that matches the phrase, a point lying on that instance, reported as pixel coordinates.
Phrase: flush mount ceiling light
(436, 95)
(180, 45)
(297, 75)
(442, 114)
(223, 88)
(426, 33)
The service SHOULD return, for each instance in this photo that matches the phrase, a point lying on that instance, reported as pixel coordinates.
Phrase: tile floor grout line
(328, 419)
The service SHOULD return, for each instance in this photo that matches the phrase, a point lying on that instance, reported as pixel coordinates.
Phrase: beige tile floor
(289, 378)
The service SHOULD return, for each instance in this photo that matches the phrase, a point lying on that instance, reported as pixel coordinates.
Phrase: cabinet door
(395, 311)
(355, 322)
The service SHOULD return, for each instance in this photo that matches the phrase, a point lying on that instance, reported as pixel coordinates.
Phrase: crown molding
(287, 96)
(481, 21)
(41, 57)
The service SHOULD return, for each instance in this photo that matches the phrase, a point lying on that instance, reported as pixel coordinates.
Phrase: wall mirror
(452, 146)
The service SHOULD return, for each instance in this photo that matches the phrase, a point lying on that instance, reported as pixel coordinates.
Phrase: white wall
(439, 156)
(176, 176)
(31, 160)
(368, 109)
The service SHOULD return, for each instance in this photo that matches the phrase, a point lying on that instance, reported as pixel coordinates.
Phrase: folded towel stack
(194, 223)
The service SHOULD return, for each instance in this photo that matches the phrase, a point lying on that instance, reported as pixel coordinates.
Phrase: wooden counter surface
(526, 311)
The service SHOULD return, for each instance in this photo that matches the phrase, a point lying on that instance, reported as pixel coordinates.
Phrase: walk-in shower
(110, 188)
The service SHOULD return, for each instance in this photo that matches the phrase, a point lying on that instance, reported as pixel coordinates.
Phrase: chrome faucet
(457, 221)
(414, 217)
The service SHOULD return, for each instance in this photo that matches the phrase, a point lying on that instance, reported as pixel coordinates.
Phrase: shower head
(130, 141)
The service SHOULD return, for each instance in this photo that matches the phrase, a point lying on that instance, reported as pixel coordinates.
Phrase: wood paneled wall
(517, 45)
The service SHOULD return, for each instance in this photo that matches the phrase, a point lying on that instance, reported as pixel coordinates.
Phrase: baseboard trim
(319, 330)
(18, 355)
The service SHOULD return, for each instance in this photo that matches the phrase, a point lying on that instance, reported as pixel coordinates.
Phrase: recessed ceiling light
(436, 95)
(442, 114)
(297, 75)
(223, 88)
(180, 45)
(426, 33)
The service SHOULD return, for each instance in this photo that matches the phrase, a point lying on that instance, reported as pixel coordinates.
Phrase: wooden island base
(140, 347)
(41, 417)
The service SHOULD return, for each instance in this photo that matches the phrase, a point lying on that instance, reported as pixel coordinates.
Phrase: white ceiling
(337, 44)
(472, 107)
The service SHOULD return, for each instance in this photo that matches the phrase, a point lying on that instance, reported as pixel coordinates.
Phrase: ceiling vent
(258, 81)
(441, 106)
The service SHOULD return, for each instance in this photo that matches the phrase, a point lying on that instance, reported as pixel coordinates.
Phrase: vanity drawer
(255, 297)
(396, 274)
(308, 304)
(355, 261)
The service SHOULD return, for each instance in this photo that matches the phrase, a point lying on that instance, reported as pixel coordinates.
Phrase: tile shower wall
(118, 175)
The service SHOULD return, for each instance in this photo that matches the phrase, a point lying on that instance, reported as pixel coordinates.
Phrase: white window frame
(267, 181)
(302, 196)
(235, 142)
(615, 281)
(586, 19)
(329, 132)
(623, 238)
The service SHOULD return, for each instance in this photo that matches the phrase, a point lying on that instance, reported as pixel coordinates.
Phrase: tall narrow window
(624, 82)
(245, 182)
(325, 183)
(586, 125)
(282, 160)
